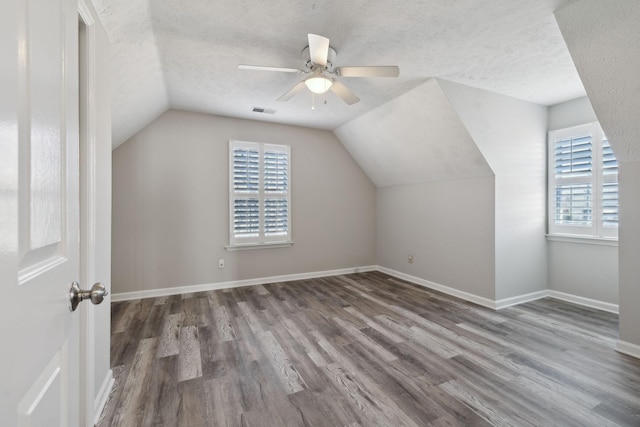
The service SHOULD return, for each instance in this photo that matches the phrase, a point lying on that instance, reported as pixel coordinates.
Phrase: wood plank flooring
(364, 350)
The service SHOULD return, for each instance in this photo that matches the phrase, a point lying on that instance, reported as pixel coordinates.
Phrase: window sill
(587, 240)
(251, 246)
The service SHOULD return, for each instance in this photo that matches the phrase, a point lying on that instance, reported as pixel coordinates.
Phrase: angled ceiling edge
(414, 138)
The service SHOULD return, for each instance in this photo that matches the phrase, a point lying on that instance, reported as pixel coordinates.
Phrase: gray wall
(608, 63)
(511, 136)
(448, 227)
(171, 208)
(585, 270)
(170, 204)
(629, 261)
(571, 113)
(435, 190)
(582, 269)
(475, 233)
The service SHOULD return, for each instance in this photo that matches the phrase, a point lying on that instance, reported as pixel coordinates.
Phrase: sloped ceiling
(139, 93)
(417, 137)
(184, 54)
(604, 41)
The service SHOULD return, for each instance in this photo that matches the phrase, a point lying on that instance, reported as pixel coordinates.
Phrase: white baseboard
(520, 299)
(485, 302)
(628, 348)
(153, 293)
(506, 302)
(587, 302)
(103, 395)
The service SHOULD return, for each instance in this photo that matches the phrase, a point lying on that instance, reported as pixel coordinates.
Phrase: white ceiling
(184, 54)
(413, 151)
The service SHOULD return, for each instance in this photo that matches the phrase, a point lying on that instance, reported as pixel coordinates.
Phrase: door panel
(39, 215)
(41, 139)
(44, 137)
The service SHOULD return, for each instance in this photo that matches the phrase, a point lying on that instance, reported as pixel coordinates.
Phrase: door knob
(76, 295)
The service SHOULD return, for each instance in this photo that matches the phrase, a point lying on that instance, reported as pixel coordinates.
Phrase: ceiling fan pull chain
(313, 101)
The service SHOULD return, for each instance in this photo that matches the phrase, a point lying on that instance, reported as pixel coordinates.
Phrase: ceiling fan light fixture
(318, 84)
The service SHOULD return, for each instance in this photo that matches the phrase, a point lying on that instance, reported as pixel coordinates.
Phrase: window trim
(581, 239)
(250, 246)
(262, 240)
(597, 179)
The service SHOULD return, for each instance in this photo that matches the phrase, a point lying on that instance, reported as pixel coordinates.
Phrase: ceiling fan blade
(344, 93)
(375, 71)
(263, 68)
(294, 90)
(318, 49)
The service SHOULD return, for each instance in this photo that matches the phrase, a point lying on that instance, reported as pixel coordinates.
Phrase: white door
(39, 199)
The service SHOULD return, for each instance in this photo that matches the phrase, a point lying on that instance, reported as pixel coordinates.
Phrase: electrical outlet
(410, 259)
(221, 263)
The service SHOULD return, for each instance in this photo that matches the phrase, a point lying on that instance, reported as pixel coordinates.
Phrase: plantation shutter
(583, 183)
(259, 193)
(276, 188)
(574, 157)
(610, 205)
(246, 185)
(573, 167)
(573, 204)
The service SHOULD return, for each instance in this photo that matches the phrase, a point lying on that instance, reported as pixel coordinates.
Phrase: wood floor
(364, 350)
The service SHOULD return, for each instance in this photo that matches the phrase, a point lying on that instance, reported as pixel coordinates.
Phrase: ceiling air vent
(263, 110)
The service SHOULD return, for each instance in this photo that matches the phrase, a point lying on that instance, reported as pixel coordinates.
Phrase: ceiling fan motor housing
(309, 65)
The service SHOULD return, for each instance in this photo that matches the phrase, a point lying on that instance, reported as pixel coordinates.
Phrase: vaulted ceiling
(185, 54)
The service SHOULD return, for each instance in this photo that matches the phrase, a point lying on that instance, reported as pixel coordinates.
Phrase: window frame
(597, 179)
(262, 239)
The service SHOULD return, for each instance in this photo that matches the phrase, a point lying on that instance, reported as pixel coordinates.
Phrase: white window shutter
(573, 157)
(573, 204)
(259, 193)
(246, 170)
(276, 171)
(246, 217)
(610, 204)
(583, 182)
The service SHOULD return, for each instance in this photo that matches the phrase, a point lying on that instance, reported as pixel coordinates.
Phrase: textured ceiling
(184, 54)
(401, 141)
(608, 61)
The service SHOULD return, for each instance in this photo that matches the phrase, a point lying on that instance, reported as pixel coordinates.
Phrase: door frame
(92, 401)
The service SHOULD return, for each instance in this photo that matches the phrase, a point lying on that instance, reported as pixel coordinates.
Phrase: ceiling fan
(319, 57)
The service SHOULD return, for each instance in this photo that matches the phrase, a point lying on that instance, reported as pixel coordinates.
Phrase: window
(259, 194)
(583, 183)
